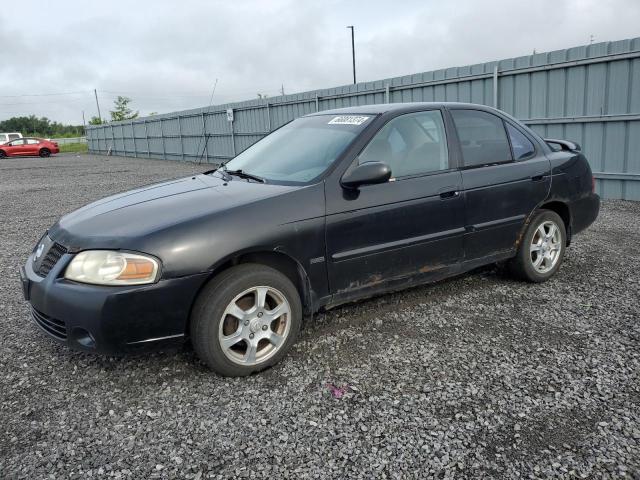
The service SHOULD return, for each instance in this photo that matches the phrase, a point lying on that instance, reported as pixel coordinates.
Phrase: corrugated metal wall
(589, 94)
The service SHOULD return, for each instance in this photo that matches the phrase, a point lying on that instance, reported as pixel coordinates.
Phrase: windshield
(301, 150)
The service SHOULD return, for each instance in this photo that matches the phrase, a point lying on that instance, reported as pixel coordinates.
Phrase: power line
(45, 94)
(144, 95)
(249, 90)
(137, 94)
(58, 102)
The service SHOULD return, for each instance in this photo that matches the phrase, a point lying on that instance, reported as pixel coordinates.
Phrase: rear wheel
(45, 152)
(541, 249)
(245, 320)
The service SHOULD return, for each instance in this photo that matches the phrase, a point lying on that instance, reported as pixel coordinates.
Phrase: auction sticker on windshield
(348, 120)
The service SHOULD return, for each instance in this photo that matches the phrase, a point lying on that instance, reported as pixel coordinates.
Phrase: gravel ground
(480, 376)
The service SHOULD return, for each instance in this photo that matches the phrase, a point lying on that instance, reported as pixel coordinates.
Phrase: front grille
(54, 327)
(54, 254)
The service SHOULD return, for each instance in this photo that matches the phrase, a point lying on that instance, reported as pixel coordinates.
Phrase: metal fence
(589, 94)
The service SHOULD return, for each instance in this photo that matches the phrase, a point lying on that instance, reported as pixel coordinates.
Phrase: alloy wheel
(546, 246)
(255, 325)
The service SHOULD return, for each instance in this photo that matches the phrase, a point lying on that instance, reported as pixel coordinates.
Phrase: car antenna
(204, 126)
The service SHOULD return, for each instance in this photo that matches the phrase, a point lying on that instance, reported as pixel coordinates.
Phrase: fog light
(83, 337)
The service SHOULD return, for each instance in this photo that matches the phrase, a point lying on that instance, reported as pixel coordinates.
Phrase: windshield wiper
(221, 168)
(241, 174)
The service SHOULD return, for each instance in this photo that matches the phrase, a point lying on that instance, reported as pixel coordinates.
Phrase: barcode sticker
(348, 120)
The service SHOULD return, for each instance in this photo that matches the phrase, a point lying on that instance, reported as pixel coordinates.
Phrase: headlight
(104, 267)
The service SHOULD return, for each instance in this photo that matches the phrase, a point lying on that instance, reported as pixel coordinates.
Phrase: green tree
(121, 110)
(39, 127)
(95, 121)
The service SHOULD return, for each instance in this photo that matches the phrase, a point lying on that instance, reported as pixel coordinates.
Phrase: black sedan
(330, 208)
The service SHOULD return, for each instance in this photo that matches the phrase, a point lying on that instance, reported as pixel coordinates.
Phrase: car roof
(382, 108)
(391, 107)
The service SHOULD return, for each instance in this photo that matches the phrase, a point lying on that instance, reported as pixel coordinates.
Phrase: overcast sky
(167, 55)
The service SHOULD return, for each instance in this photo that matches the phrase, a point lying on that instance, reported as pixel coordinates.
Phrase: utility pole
(95, 92)
(282, 90)
(84, 124)
(353, 53)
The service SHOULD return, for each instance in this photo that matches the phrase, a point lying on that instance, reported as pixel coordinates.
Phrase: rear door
(32, 146)
(504, 178)
(411, 226)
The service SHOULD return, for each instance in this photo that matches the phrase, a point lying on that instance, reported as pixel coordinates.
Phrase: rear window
(482, 137)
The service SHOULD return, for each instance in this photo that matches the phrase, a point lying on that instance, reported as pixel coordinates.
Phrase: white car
(7, 137)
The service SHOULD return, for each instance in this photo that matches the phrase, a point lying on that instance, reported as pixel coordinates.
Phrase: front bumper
(109, 320)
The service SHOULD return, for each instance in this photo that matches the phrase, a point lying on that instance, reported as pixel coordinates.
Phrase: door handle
(449, 194)
(538, 178)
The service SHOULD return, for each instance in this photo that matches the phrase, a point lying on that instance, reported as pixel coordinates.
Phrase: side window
(482, 137)
(13, 136)
(520, 144)
(17, 142)
(410, 144)
(32, 141)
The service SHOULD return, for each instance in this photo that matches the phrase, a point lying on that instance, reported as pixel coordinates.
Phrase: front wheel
(45, 152)
(2, 154)
(245, 320)
(542, 248)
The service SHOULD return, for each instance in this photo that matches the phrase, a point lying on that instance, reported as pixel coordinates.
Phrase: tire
(45, 152)
(539, 256)
(254, 339)
(2, 154)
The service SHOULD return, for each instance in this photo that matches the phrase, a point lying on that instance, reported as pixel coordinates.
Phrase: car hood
(109, 222)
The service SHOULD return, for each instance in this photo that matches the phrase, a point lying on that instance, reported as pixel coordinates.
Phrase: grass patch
(74, 148)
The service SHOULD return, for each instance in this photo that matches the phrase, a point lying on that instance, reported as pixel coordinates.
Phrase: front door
(411, 226)
(17, 147)
(504, 177)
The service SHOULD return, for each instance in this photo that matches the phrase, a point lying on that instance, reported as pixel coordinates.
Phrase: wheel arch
(563, 210)
(276, 259)
(556, 206)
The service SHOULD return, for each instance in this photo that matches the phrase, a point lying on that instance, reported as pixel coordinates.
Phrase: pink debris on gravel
(336, 392)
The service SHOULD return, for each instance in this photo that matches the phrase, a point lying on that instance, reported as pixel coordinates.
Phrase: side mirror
(367, 173)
